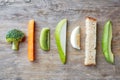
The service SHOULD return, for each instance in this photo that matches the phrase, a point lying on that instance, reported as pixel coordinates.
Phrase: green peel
(106, 42)
(45, 39)
(61, 42)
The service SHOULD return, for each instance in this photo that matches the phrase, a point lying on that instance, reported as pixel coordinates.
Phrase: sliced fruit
(75, 38)
(106, 42)
(60, 37)
(45, 39)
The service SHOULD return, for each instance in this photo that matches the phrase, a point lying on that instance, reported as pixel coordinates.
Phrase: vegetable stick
(31, 32)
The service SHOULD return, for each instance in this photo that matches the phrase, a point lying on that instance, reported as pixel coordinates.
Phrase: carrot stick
(31, 55)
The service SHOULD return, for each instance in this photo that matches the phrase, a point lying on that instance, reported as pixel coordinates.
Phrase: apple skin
(61, 50)
(44, 39)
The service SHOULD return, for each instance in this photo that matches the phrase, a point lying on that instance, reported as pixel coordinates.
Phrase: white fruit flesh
(75, 38)
(63, 38)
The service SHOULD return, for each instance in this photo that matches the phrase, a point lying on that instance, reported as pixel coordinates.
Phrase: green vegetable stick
(106, 42)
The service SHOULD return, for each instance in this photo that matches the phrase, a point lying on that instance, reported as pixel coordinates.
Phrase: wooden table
(14, 65)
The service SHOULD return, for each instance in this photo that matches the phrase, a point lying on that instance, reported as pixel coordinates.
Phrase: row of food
(16, 36)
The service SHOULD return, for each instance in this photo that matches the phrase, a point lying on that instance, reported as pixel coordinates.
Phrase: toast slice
(90, 41)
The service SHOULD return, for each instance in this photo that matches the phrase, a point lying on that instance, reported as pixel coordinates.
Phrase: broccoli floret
(15, 36)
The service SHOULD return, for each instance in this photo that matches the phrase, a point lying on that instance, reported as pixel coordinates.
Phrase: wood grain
(14, 65)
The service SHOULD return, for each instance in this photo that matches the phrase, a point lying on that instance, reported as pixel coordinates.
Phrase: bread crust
(91, 18)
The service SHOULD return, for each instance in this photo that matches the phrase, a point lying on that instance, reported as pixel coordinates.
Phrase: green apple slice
(60, 37)
(75, 38)
(45, 39)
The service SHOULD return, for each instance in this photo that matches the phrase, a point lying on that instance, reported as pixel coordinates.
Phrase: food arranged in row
(106, 42)
(45, 39)
(75, 38)
(90, 41)
(16, 36)
(31, 40)
(60, 38)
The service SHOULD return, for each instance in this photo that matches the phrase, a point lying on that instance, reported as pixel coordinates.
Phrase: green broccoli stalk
(15, 36)
(15, 45)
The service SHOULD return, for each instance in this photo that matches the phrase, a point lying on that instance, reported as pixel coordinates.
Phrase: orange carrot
(31, 55)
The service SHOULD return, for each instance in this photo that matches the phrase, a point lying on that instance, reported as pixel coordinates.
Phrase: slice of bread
(90, 41)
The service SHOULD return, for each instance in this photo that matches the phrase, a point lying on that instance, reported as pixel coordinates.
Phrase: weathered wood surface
(14, 65)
